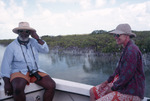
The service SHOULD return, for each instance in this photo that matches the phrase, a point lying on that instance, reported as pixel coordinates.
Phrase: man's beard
(23, 39)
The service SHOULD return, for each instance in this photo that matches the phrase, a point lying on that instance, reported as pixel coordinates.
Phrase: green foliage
(103, 42)
(143, 41)
(5, 42)
(99, 42)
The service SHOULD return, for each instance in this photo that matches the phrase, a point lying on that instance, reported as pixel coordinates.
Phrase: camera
(35, 74)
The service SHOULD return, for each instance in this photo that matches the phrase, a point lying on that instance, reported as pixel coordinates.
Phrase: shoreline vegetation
(98, 43)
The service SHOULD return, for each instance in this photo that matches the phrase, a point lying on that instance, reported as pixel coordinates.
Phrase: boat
(65, 91)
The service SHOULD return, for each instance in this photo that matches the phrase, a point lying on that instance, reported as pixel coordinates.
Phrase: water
(80, 68)
(84, 68)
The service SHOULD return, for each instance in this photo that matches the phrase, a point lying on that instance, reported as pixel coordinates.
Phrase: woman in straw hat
(128, 81)
(20, 64)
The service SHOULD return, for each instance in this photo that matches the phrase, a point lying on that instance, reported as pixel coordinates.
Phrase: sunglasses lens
(26, 31)
(20, 31)
(116, 35)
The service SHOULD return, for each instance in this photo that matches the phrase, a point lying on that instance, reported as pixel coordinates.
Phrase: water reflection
(86, 68)
(104, 63)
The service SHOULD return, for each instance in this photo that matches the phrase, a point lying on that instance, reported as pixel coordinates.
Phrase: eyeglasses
(117, 35)
(26, 31)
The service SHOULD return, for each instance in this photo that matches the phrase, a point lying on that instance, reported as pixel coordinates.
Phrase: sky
(69, 17)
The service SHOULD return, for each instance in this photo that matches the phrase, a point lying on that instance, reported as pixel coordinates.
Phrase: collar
(129, 42)
(23, 42)
(124, 49)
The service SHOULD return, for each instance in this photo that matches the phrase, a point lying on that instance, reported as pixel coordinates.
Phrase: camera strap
(34, 57)
(26, 60)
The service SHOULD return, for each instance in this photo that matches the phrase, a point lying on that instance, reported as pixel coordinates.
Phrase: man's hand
(7, 86)
(34, 35)
(8, 89)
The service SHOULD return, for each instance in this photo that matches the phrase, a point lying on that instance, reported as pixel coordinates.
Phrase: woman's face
(120, 38)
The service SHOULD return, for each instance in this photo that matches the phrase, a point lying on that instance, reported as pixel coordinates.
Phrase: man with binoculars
(20, 64)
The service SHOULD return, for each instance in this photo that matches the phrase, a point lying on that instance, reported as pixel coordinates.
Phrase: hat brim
(121, 32)
(116, 32)
(15, 30)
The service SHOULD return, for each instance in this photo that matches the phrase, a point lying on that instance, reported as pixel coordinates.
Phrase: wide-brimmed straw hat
(23, 26)
(123, 29)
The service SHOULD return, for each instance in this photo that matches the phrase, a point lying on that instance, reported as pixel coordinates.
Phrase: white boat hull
(65, 91)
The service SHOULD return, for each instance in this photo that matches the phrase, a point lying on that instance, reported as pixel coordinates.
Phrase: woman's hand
(104, 84)
(109, 89)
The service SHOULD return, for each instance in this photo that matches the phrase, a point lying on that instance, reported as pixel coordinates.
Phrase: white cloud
(64, 1)
(45, 1)
(2, 5)
(100, 3)
(69, 1)
(24, 2)
(9, 16)
(148, 7)
(47, 22)
(85, 4)
(112, 1)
